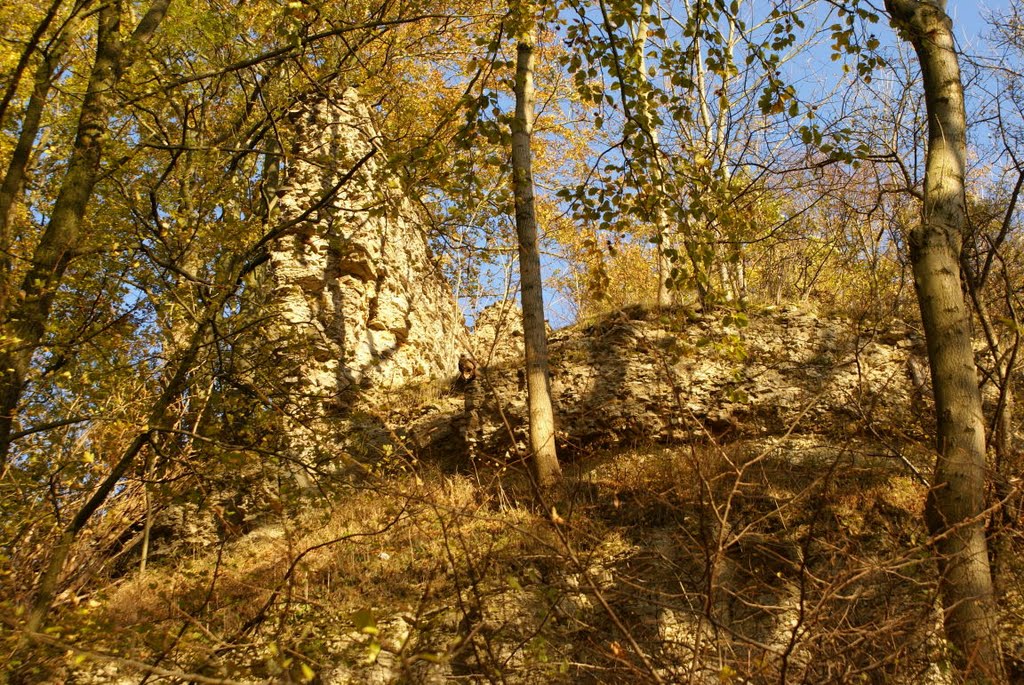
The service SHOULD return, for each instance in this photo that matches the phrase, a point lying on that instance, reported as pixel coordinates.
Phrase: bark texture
(955, 507)
(538, 382)
(25, 322)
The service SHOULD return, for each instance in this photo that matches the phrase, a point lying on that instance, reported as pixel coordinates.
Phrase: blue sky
(969, 24)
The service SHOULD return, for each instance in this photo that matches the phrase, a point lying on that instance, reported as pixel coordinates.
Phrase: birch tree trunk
(637, 63)
(955, 506)
(538, 383)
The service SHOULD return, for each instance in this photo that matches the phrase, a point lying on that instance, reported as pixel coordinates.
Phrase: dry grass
(763, 561)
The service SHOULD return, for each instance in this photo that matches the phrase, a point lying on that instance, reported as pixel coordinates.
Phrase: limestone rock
(644, 377)
(358, 302)
(498, 334)
(353, 278)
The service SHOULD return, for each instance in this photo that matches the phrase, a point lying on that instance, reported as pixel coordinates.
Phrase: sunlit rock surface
(359, 304)
(353, 277)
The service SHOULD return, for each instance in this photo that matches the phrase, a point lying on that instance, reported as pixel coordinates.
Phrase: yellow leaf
(372, 650)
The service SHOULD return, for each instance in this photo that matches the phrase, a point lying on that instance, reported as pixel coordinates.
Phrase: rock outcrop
(744, 503)
(782, 402)
(497, 337)
(353, 277)
(358, 301)
(640, 377)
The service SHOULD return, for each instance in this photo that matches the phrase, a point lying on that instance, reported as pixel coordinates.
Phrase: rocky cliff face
(353, 277)
(770, 413)
(358, 301)
(640, 377)
(636, 377)
(744, 502)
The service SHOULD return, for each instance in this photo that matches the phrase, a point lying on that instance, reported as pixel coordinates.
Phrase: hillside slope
(742, 504)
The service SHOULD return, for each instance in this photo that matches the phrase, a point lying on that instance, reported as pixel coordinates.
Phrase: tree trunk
(955, 506)
(174, 388)
(1006, 464)
(542, 419)
(31, 47)
(25, 323)
(723, 277)
(17, 168)
(637, 63)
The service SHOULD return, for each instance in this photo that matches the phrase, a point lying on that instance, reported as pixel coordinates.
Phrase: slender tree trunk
(701, 282)
(542, 419)
(25, 324)
(1005, 455)
(1007, 466)
(723, 276)
(176, 385)
(740, 276)
(702, 276)
(955, 506)
(17, 167)
(637, 63)
(26, 56)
